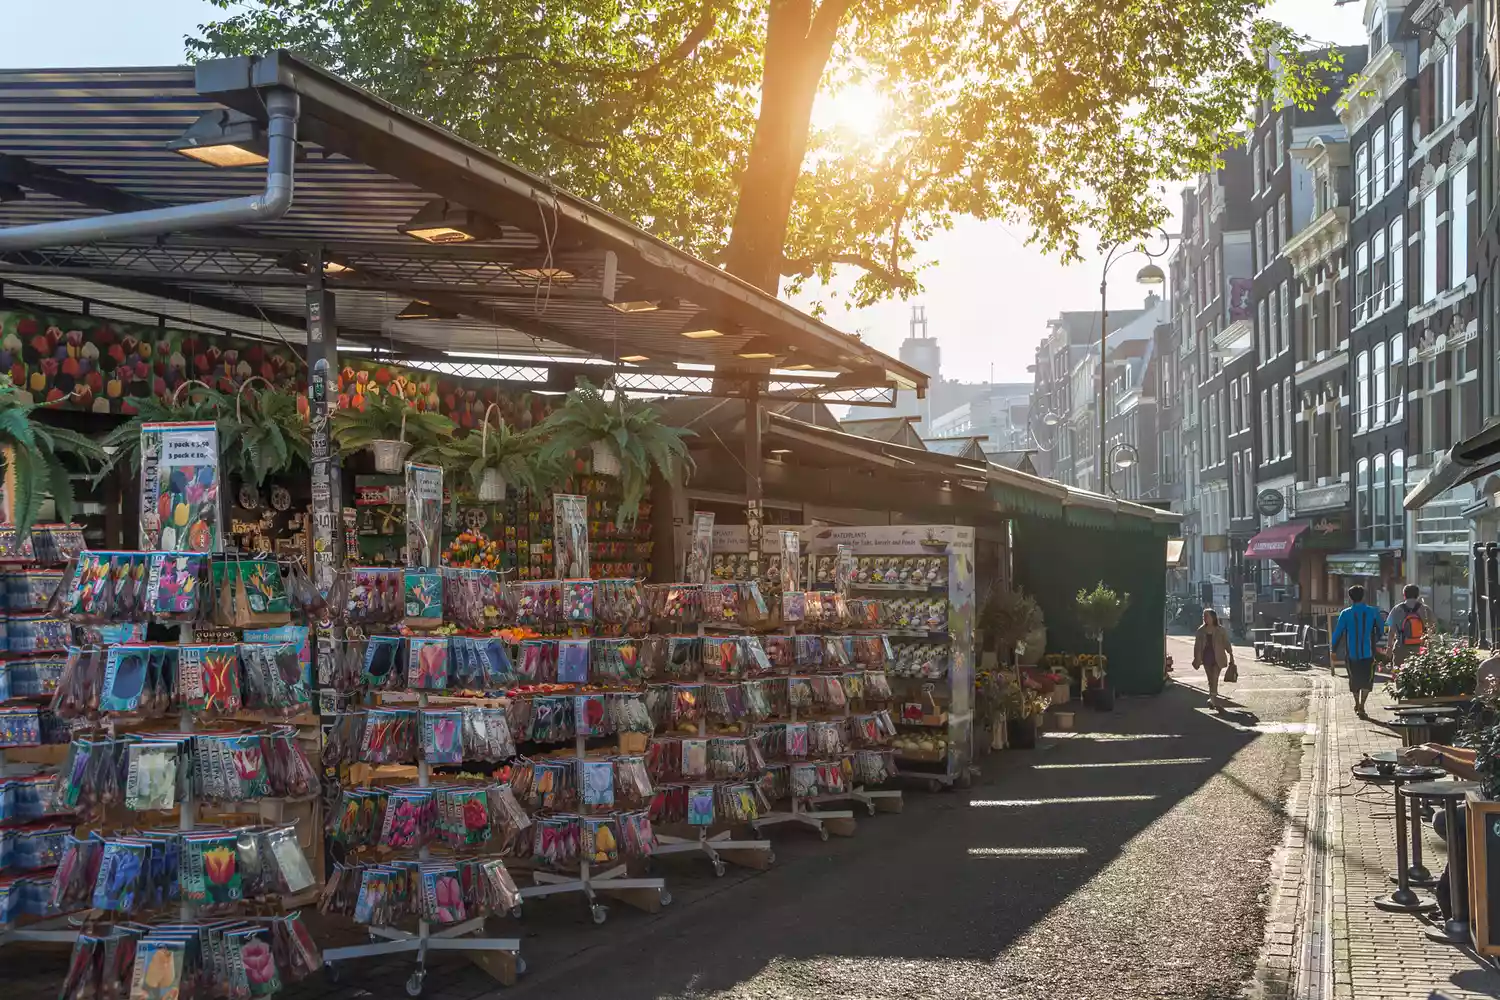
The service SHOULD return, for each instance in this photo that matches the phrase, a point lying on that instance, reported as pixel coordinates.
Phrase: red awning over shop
(1275, 542)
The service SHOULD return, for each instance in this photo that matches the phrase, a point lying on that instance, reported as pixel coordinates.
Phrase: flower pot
(1021, 733)
(389, 455)
(605, 461)
(997, 731)
(1062, 721)
(1102, 698)
(1061, 695)
(491, 486)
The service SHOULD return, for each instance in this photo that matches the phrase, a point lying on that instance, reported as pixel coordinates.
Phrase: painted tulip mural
(102, 363)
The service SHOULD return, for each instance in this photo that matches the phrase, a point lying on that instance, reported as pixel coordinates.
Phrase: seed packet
(573, 661)
(427, 664)
(578, 602)
(424, 519)
(423, 590)
(793, 606)
(441, 736)
(499, 672)
(381, 659)
(589, 716)
(600, 839)
(124, 679)
(701, 805)
(151, 776)
(538, 661)
(158, 973)
(252, 961)
(570, 536)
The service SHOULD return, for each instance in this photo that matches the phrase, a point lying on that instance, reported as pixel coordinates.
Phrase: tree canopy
(694, 118)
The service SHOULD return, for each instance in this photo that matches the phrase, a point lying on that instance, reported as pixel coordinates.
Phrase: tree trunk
(799, 41)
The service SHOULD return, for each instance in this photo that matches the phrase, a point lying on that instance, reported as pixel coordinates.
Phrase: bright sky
(987, 300)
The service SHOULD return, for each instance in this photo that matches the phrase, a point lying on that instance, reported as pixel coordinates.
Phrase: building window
(1274, 315)
(1378, 274)
(1361, 177)
(1379, 502)
(1361, 282)
(1445, 88)
(1280, 141)
(1234, 407)
(1236, 501)
(1283, 221)
(1362, 499)
(1398, 146)
(1430, 245)
(1378, 171)
(1397, 403)
(1362, 399)
(1260, 245)
(1378, 375)
(1222, 440)
(1458, 226)
(1268, 346)
(1288, 427)
(1258, 170)
(1267, 443)
(1273, 447)
(1397, 475)
(1397, 290)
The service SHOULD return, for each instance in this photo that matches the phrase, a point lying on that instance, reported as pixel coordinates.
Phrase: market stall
(502, 712)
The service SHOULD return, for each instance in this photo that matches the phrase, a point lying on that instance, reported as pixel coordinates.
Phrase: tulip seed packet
(499, 671)
(151, 777)
(295, 634)
(158, 969)
(427, 664)
(253, 963)
(173, 585)
(209, 868)
(180, 487)
(598, 783)
(380, 660)
(125, 672)
(466, 672)
(441, 737)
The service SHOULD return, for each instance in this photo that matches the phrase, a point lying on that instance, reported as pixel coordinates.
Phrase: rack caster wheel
(665, 897)
(822, 833)
(414, 983)
(934, 786)
(718, 869)
(870, 808)
(520, 966)
(770, 857)
(515, 911)
(599, 913)
(965, 779)
(331, 974)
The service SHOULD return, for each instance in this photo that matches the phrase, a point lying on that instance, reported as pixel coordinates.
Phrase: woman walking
(1213, 652)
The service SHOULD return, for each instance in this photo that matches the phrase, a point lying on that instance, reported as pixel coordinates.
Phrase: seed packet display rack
(45, 552)
(455, 938)
(927, 569)
(718, 847)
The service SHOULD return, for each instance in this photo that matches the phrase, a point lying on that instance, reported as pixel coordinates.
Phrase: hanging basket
(492, 486)
(390, 455)
(605, 461)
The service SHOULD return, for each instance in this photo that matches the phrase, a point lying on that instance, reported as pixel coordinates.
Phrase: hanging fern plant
(390, 418)
(272, 434)
(33, 458)
(193, 403)
(516, 456)
(619, 431)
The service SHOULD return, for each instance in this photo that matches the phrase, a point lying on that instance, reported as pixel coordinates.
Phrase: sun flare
(859, 108)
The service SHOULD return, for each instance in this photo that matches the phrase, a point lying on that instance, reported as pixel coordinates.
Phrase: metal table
(1456, 929)
(1404, 899)
(1416, 872)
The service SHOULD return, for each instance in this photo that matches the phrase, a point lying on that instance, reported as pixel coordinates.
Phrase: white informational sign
(180, 487)
(700, 551)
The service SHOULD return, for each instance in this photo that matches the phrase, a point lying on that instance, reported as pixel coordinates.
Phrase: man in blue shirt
(1359, 628)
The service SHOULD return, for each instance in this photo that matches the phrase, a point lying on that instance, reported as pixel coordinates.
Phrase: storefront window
(1362, 500)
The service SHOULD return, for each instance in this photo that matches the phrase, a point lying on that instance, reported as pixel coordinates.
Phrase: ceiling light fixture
(223, 138)
(761, 348)
(634, 357)
(554, 275)
(449, 222)
(422, 309)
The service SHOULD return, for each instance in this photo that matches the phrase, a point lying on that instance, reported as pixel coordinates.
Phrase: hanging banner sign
(180, 487)
(424, 515)
(570, 536)
(700, 553)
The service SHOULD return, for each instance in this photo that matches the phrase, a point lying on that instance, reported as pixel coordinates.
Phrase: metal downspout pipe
(269, 204)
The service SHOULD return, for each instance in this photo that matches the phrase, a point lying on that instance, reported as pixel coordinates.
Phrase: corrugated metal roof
(108, 128)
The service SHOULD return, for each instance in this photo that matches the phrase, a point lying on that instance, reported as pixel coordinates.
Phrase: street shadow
(1483, 982)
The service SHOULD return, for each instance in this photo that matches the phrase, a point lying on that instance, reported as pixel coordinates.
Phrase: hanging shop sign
(1270, 502)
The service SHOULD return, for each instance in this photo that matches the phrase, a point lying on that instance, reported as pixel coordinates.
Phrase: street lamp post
(1151, 274)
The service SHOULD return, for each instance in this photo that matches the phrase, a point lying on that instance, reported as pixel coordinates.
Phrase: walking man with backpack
(1408, 624)
(1359, 629)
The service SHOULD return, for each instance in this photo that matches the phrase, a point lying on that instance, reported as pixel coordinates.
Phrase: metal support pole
(1492, 590)
(1102, 487)
(322, 394)
(754, 489)
(1478, 618)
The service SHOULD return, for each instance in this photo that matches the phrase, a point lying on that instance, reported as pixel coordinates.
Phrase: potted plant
(625, 437)
(392, 430)
(1024, 704)
(495, 460)
(271, 436)
(1443, 668)
(1100, 610)
(1007, 619)
(32, 452)
(990, 704)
